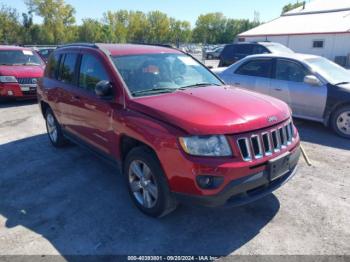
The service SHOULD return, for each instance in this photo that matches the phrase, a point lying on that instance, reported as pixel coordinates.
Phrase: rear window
(274, 48)
(259, 68)
(67, 68)
(19, 57)
(52, 66)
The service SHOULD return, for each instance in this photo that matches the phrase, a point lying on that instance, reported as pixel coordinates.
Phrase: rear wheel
(54, 129)
(341, 121)
(147, 185)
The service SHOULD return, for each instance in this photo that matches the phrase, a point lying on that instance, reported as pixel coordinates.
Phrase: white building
(321, 27)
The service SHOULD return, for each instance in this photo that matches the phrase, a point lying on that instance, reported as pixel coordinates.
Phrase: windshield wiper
(154, 90)
(341, 83)
(198, 85)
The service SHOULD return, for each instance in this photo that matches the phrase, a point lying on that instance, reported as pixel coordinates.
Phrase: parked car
(44, 53)
(20, 69)
(314, 87)
(178, 134)
(235, 52)
(214, 54)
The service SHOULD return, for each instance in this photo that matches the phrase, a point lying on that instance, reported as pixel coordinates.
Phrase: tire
(147, 185)
(54, 130)
(340, 121)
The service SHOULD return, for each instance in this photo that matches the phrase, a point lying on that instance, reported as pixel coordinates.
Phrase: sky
(187, 10)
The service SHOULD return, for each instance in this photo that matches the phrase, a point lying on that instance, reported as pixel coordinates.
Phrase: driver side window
(290, 71)
(92, 71)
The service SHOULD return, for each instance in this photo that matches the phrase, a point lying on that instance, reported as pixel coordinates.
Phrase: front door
(288, 84)
(254, 75)
(94, 114)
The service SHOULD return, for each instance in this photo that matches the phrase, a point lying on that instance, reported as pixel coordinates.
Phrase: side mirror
(103, 88)
(312, 80)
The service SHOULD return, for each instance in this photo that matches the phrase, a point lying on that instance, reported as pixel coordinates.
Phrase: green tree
(179, 31)
(209, 28)
(158, 27)
(58, 19)
(118, 25)
(10, 27)
(138, 27)
(291, 6)
(92, 31)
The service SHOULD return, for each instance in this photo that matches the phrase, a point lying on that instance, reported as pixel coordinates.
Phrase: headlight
(216, 145)
(8, 79)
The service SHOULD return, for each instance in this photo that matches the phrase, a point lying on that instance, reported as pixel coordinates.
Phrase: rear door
(64, 86)
(288, 85)
(254, 75)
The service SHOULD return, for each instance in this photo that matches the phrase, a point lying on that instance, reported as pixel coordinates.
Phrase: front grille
(265, 143)
(27, 80)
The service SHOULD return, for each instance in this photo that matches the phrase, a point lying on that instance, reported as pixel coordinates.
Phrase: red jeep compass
(176, 131)
(20, 69)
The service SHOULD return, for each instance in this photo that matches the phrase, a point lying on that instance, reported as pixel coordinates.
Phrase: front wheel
(147, 184)
(54, 129)
(340, 121)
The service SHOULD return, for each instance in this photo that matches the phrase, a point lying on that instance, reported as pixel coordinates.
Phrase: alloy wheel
(143, 184)
(51, 127)
(343, 122)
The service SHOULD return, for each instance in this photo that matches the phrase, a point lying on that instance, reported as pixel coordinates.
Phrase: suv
(235, 52)
(175, 130)
(20, 69)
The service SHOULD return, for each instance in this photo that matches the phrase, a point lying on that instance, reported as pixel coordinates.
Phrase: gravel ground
(67, 201)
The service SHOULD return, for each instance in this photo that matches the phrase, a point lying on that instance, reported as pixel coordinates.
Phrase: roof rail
(161, 45)
(78, 44)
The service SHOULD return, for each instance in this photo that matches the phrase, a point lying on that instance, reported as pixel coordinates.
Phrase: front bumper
(246, 189)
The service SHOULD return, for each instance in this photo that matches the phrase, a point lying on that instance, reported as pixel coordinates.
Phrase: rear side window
(290, 71)
(245, 49)
(260, 68)
(258, 49)
(92, 71)
(67, 68)
(52, 66)
(228, 49)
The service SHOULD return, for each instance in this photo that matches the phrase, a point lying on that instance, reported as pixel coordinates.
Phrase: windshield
(279, 49)
(332, 72)
(162, 72)
(19, 57)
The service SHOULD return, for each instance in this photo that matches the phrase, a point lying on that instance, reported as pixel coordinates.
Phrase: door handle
(237, 84)
(91, 107)
(278, 89)
(76, 98)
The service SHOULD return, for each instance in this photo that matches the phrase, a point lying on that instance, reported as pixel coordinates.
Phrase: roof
(125, 49)
(13, 47)
(134, 49)
(318, 17)
(297, 56)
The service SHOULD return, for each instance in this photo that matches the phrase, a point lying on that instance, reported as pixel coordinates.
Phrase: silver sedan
(314, 87)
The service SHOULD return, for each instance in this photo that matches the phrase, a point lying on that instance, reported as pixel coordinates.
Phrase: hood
(218, 70)
(22, 71)
(213, 109)
(345, 86)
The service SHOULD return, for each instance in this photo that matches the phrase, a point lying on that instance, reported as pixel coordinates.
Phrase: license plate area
(279, 166)
(26, 88)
